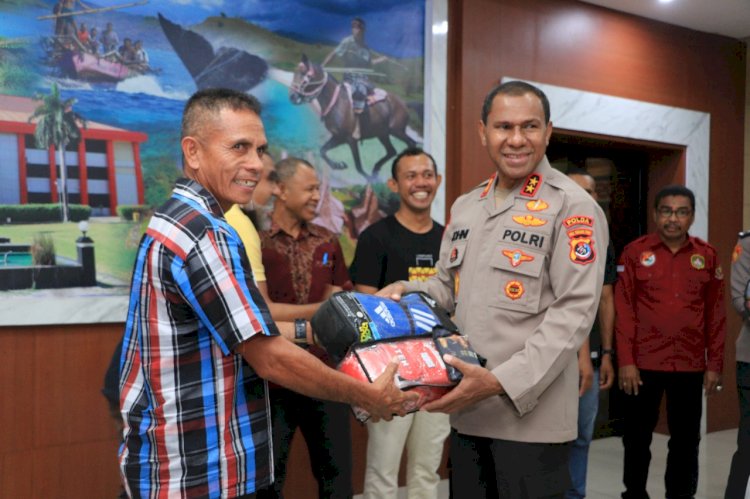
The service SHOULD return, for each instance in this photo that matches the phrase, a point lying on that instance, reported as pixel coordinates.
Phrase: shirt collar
(306, 230)
(196, 192)
(653, 241)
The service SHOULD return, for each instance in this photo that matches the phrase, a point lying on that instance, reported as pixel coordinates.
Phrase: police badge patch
(582, 246)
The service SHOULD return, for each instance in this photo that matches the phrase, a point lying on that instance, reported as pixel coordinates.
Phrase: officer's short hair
(411, 151)
(675, 190)
(515, 88)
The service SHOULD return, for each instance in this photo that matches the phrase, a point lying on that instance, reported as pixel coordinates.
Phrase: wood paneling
(577, 45)
(57, 438)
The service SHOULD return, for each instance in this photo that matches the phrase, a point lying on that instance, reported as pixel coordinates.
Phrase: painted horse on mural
(381, 119)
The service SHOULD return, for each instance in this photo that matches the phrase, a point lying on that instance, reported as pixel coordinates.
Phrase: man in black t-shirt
(403, 246)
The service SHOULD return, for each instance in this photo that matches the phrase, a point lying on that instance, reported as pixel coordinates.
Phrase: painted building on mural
(104, 167)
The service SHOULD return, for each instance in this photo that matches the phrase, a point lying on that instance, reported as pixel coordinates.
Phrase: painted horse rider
(355, 54)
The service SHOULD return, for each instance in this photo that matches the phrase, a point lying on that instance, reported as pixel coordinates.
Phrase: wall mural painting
(91, 95)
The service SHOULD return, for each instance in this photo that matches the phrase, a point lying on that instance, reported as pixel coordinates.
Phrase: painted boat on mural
(86, 66)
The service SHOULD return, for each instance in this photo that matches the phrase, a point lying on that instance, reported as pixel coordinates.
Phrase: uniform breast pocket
(516, 279)
(696, 281)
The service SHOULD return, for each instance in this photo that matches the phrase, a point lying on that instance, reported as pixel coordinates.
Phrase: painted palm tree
(57, 126)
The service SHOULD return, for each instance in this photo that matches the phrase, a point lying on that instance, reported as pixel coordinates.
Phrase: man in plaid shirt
(196, 422)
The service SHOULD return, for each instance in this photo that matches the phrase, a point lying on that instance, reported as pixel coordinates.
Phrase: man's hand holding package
(387, 400)
(392, 291)
(477, 384)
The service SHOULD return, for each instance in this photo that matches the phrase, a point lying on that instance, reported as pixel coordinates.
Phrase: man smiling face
(225, 153)
(416, 182)
(515, 135)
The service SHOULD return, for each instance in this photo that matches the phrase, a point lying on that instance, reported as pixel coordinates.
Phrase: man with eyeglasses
(669, 330)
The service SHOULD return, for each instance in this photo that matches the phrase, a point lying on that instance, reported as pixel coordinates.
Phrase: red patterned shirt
(670, 307)
(299, 270)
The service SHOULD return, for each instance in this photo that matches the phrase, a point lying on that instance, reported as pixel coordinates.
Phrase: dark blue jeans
(684, 391)
(588, 407)
(740, 469)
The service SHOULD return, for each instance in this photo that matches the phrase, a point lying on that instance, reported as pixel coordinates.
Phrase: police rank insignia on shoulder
(582, 246)
(531, 186)
(698, 261)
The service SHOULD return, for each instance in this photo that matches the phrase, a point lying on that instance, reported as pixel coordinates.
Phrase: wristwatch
(610, 351)
(300, 331)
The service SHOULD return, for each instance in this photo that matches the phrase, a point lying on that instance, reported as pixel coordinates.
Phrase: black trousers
(684, 391)
(490, 468)
(740, 469)
(327, 432)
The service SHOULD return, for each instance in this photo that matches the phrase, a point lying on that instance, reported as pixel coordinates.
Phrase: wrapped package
(421, 367)
(349, 317)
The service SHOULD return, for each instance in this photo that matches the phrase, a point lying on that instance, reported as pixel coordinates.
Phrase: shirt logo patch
(719, 273)
(529, 220)
(517, 257)
(698, 262)
(736, 252)
(538, 205)
(514, 290)
(578, 220)
(454, 255)
(648, 258)
(531, 186)
(582, 246)
(460, 234)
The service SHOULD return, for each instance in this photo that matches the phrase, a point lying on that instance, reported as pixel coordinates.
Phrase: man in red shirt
(304, 265)
(669, 330)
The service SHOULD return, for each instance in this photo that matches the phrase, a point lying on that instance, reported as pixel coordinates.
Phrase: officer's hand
(392, 291)
(630, 379)
(711, 382)
(477, 384)
(387, 399)
(606, 373)
(585, 374)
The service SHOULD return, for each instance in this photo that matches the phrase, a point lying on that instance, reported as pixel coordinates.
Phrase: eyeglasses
(667, 212)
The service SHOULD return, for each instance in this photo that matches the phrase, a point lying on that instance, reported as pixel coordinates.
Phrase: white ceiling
(724, 17)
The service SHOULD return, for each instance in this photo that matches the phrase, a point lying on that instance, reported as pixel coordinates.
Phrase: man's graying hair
(286, 168)
(212, 101)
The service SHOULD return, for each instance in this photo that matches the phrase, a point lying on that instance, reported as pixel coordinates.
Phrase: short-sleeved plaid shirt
(196, 416)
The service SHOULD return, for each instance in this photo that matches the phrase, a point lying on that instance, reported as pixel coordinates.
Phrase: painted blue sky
(394, 27)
